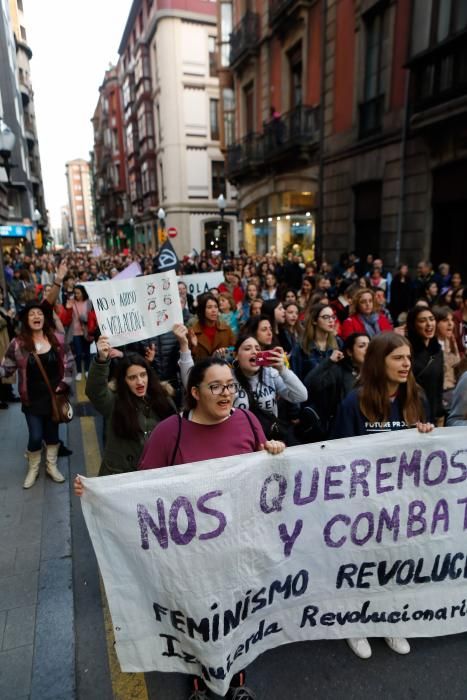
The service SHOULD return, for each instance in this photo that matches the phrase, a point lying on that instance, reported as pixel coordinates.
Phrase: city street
(55, 630)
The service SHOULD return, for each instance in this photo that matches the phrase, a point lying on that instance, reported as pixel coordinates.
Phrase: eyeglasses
(328, 317)
(218, 389)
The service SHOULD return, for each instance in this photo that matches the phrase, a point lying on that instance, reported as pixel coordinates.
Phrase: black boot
(63, 450)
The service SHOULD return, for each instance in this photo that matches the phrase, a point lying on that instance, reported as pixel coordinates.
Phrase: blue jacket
(350, 421)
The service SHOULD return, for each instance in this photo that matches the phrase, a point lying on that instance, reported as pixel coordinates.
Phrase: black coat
(328, 384)
(402, 296)
(428, 368)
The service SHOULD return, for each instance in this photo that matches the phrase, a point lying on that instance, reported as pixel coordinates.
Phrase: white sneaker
(398, 644)
(78, 377)
(360, 647)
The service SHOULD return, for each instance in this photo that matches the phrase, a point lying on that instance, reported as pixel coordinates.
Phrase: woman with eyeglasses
(209, 428)
(260, 386)
(318, 342)
(365, 316)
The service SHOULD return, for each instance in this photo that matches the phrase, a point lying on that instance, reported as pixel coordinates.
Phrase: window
(214, 119)
(228, 97)
(19, 3)
(217, 178)
(376, 65)
(212, 56)
(296, 75)
(434, 21)
(249, 108)
(226, 30)
(22, 31)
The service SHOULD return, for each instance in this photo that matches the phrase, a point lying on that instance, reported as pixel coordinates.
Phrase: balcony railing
(245, 156)
(244, 38)
(440, 75)
(279, 10)
(297, 128)
(286, 141)
(371, 116)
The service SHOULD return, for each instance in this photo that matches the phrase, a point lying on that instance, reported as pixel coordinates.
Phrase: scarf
(370, 323)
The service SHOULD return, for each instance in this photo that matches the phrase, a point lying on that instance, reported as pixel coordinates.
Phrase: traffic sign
(172, 232)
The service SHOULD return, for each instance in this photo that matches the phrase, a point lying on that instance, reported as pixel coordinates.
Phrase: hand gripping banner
(208, 565)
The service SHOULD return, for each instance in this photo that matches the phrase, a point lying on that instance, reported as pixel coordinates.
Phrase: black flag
(166, 258)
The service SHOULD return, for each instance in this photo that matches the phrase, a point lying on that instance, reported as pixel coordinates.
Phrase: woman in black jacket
(427, 358)
(331, 380)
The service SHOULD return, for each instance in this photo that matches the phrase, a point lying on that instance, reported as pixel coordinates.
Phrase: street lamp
(221, 203)
(161, 217)
(7, 142)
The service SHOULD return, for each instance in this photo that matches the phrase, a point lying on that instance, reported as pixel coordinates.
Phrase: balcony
(295, 133)
(286, 142)
(244, 39)
(370, 113)
(439, 79)
(284, 12)
(245, 157)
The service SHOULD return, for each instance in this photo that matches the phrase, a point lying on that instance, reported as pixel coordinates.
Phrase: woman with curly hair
(39, 345)
(131, 411)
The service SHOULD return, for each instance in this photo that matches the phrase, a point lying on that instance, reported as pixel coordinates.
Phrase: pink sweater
(233, 436)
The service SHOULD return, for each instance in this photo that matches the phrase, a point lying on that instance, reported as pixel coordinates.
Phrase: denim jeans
(41, 429)
(82, 350)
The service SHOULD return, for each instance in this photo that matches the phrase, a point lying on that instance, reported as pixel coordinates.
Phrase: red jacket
(353, 324)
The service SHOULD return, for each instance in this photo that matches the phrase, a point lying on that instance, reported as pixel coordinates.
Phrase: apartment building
(21, 189)
(23, 58)
(350, 125)
(80, 202)
(111, 204)
(170, 94)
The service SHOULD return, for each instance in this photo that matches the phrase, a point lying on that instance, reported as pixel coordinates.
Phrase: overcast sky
(73, 42)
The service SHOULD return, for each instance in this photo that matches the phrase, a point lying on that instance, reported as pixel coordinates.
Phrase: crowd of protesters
(283, 352)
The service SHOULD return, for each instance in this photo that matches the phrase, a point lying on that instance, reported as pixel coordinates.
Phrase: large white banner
(201, 283)
(208, 565)
(134, 309)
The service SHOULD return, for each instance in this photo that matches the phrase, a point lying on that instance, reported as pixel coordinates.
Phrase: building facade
(170, 97)
(350, 114)
(22, 194)
(111, 204)
(78, 176)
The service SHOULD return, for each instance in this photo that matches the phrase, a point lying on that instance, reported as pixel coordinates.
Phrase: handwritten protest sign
(202, 283)
(131, 271)
(129, 310)
(208, 565)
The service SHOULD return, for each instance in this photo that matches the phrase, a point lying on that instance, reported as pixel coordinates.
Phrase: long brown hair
(374, 397)
(125, 417)
(309, 332)
(26, 333)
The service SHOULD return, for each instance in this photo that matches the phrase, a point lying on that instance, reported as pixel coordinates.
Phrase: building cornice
(197, 17)
(129, 25)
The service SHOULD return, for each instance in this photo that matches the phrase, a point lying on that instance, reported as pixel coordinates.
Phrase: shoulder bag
(62, 410)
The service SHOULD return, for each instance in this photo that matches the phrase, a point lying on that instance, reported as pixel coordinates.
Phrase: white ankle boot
(360, 647)
(52, 471)
(398, 644)
(34, 462)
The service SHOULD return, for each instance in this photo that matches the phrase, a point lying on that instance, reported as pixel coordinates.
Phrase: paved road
(55, 631)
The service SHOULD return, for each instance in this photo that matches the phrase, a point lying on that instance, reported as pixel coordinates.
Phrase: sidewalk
(37, 654)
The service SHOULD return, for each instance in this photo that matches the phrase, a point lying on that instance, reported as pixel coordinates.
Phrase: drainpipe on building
(319, 238)
(405, 129)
